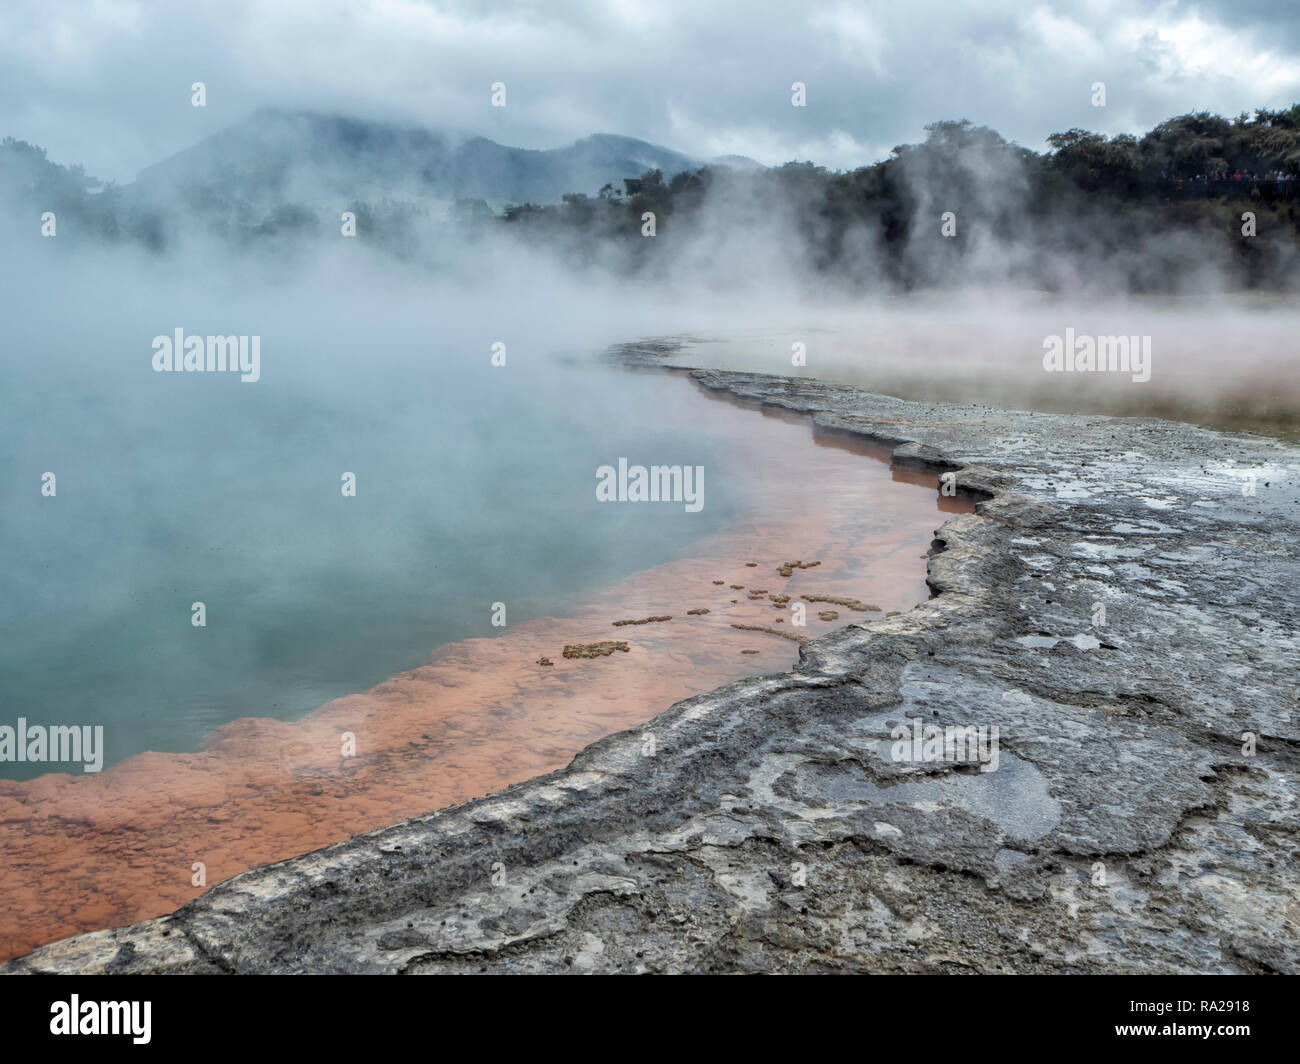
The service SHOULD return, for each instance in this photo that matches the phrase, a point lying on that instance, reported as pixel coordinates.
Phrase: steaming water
(475, 485)
(1224, 361)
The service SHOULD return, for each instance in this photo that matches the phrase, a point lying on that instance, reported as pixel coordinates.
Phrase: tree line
(964, 204)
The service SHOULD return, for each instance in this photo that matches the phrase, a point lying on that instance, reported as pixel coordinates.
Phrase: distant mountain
(282, 156)
(742, 163)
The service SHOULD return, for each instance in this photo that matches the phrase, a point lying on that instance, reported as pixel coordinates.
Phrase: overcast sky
(107, 82)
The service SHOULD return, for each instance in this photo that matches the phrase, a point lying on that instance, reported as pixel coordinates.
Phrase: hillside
(287, 156)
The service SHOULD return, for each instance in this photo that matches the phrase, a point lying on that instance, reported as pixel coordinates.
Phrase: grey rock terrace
(1124, 830)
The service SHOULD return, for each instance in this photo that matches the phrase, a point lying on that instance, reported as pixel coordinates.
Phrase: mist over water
(475, 484)
(1226, 361)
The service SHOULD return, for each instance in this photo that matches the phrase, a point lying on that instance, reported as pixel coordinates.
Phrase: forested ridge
(964, 204)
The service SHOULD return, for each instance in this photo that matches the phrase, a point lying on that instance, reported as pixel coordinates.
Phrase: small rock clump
(788, 568)
(594, 650)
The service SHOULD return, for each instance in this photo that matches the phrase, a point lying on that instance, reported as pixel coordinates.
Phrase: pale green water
(475, 485)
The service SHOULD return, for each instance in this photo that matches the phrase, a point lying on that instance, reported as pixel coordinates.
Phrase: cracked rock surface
(1123, 607)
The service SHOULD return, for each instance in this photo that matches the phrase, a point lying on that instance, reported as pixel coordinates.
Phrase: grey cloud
(107, 83)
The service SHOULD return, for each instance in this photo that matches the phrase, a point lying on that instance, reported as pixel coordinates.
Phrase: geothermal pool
(243, 742)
